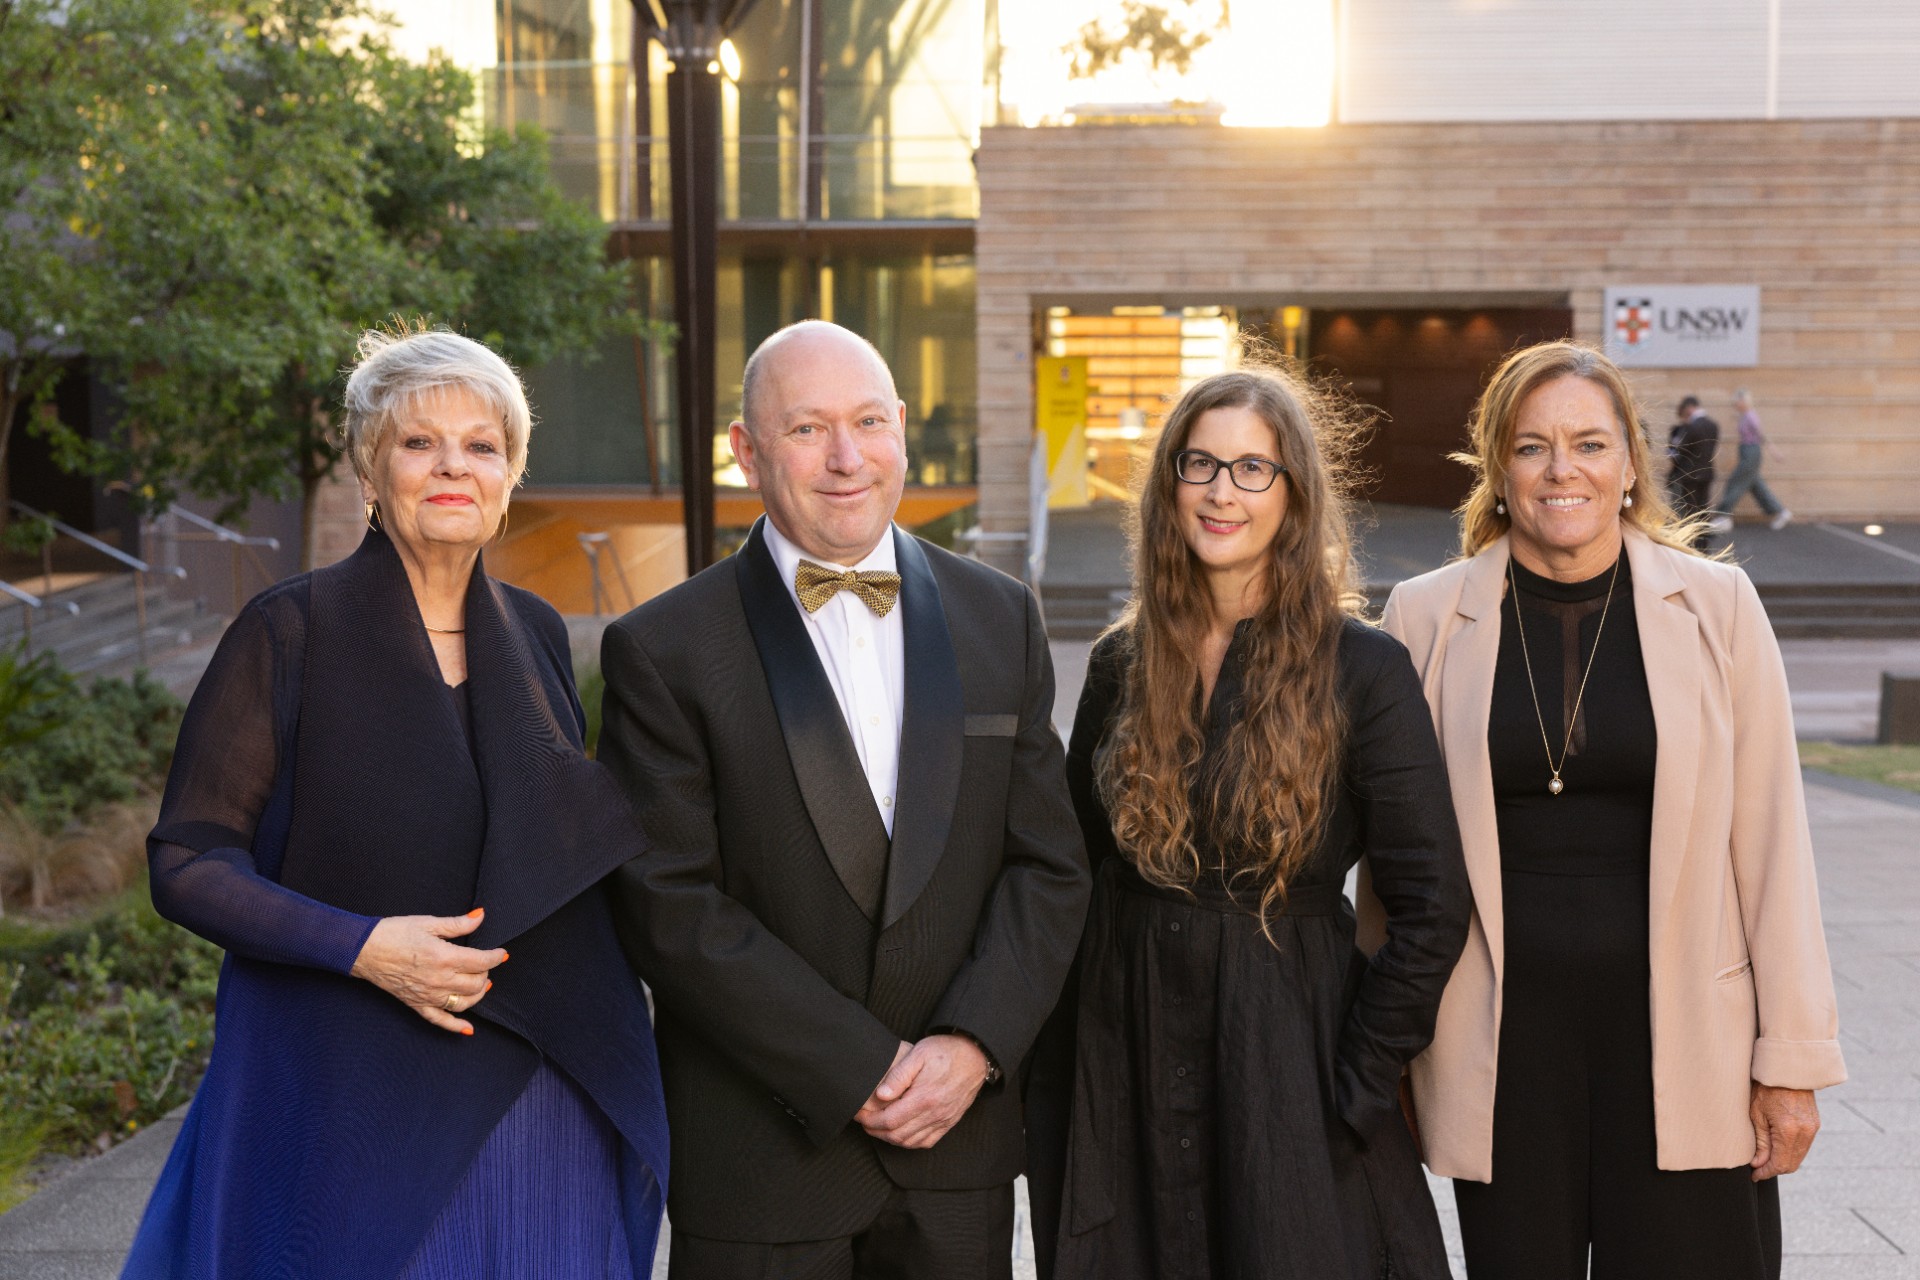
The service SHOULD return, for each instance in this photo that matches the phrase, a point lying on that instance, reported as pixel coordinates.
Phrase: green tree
(1145, 29)
(108, 181)
(351, 188)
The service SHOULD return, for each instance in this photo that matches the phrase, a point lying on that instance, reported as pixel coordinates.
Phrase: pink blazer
(1741, 986)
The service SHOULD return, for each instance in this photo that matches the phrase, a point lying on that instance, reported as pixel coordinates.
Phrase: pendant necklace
(1555, 787)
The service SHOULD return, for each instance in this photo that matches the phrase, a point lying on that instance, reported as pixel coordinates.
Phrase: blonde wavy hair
(1491, 444)
(1265, 809)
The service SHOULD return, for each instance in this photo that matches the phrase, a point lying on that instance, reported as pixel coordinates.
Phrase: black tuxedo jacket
(780, 1000)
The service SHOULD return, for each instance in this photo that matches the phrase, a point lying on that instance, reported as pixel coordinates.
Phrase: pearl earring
(1499, 507)
(1628, 501)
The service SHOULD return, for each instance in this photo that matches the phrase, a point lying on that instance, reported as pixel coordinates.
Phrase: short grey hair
(396, 368)
(756, 363)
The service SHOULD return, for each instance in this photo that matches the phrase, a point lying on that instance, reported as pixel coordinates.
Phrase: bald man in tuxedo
(866, 882)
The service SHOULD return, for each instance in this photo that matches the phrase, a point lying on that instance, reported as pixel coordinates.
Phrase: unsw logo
(1635, 318)
(1631, 320)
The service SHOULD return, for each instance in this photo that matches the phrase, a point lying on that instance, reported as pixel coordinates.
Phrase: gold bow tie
(816, 584)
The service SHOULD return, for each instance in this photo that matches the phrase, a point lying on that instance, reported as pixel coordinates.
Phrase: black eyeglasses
(1253, 475)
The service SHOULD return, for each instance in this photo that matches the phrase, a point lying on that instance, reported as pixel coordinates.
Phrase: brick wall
(1823, 215)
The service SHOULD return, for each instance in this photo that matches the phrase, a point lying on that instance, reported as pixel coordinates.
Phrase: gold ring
(451, 1001)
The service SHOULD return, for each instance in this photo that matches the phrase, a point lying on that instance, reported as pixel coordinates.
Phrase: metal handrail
(221, 533)
(140, 567)
(26, 598)
(233, 538)
(591, 543)
(28, 603)
(132, 562)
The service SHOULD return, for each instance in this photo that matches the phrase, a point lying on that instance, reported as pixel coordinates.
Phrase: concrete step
(1081, 611)
(1839, 610)
(104, 636)
(1846, 628)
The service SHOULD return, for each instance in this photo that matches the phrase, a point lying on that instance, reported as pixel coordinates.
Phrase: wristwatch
(994, 1074)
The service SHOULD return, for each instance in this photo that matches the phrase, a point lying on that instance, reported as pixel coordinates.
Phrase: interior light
(1873, 531)
(730, 60)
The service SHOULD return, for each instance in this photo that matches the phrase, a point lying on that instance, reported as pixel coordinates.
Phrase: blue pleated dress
(326, 778)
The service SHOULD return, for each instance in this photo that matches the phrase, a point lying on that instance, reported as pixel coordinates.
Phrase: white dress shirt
(865, 661)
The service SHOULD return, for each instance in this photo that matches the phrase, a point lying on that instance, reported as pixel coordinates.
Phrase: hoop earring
(373, 518)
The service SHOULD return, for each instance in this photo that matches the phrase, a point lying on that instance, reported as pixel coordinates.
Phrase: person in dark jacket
(866, 883)
(1241, 743)
(379, 790)
(1690, 448)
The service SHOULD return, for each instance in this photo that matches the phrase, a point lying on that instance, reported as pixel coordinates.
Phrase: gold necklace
(1555, 787)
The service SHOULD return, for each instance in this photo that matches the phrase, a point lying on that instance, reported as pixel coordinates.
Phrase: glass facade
(838, 112)
(609, 420)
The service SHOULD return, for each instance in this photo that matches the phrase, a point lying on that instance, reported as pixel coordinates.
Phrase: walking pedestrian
(1746, 472)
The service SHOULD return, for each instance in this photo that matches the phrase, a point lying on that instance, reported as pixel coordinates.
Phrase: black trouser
(1573, 1129)
(917, 1235)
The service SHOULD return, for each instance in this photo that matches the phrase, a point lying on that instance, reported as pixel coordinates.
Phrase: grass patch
(1890, 766)
(20, 1146)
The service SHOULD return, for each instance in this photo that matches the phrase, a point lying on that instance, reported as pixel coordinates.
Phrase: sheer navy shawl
(322, 781)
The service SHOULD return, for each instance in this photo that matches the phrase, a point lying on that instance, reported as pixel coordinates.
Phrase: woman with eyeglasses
(1231, 1110)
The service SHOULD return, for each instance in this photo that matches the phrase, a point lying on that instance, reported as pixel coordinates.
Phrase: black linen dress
(1574, 1161)
(1234, 1110)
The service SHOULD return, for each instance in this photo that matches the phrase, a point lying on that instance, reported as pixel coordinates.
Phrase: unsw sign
(1683, 326)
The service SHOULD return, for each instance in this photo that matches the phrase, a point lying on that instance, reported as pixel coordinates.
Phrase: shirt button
(1175, 926)
(873, 720)
(1180, 1071)
(1191, 1215)
(859, 642)
(1185, 1143)
(886, 802)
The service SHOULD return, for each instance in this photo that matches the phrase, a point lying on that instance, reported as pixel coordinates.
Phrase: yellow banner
(1060, 413)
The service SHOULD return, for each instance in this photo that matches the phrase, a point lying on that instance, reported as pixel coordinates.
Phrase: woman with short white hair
(379, 790)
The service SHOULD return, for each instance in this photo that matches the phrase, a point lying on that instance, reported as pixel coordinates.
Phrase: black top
(1602, 822)
(1233, 1089)
(462, 696)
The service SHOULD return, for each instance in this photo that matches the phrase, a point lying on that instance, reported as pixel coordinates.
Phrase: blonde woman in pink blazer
(1627, 1052)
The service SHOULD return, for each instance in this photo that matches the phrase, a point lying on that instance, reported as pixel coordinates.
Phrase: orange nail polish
(476, 913)
(504, 957)
(466, 1031)
(489, 986)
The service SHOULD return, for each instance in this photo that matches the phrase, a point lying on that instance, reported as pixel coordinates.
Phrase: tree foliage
(212, 198)
(1165, 35)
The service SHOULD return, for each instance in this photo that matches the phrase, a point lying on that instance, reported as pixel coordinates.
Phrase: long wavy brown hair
(1264, 810)
(1491, 445)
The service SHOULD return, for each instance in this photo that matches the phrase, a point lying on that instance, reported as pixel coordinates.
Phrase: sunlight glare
(1274, 67)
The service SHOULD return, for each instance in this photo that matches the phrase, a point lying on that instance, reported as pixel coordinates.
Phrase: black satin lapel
(825, 764)
(556, 821)
(932, 734)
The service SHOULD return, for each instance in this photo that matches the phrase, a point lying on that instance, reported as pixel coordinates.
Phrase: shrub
(593, 687)
(72, 751)
(104, 1028)
(78, 770)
